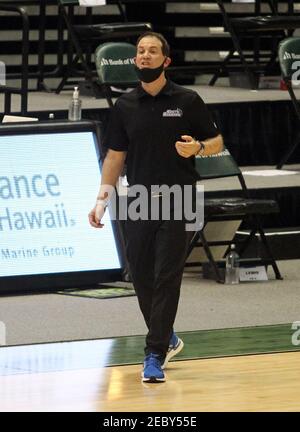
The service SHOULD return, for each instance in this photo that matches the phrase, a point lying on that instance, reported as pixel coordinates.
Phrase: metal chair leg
(211, 258)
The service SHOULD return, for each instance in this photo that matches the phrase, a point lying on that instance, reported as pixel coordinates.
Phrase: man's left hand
(188, 147)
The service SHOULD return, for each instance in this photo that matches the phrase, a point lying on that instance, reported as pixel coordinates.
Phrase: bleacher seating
(194, 30)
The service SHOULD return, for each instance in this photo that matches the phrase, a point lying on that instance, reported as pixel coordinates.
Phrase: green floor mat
(102, 291)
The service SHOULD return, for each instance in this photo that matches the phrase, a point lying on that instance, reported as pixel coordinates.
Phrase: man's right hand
(96, 215)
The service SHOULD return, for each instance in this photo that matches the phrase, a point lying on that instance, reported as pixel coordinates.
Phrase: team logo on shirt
(173, 113)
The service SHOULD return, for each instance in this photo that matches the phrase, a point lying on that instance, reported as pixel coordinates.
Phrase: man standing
(158, 128)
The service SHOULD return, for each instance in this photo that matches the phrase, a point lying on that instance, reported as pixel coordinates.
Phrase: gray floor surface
(43, 101)
(204, 304)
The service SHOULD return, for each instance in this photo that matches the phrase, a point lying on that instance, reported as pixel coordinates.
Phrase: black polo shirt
(147, 128)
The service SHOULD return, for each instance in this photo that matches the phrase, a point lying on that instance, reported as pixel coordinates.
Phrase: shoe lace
(153, 359)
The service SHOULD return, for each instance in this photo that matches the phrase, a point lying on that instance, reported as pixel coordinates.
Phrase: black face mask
(148, 75)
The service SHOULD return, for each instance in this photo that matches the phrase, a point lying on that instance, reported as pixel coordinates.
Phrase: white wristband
(102, 202)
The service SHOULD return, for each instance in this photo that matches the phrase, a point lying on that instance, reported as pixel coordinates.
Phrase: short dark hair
(165, 46)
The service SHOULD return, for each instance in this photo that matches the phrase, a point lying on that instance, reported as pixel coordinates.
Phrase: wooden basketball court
(261, 382)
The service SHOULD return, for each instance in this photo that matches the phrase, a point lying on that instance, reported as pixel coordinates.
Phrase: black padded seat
(239, 206)
(117, 30)
(265, 23)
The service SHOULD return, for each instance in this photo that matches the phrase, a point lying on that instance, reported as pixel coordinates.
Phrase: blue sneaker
(175, 346)
(152, 371)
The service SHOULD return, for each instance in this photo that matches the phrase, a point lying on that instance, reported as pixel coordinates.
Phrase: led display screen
(49, 180)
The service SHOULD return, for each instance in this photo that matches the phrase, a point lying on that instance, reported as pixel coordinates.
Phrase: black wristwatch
(202, 148)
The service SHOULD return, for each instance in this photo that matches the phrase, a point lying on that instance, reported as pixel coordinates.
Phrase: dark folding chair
(115, 67)
(289, 60)
(241, 208)
(85, 37)
(23, 89)
(272, 28)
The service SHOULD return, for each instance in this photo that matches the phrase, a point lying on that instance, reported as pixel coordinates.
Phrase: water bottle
(232, 273)
(75, 106)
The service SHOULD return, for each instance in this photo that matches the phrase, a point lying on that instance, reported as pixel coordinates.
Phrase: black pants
(156, 252)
